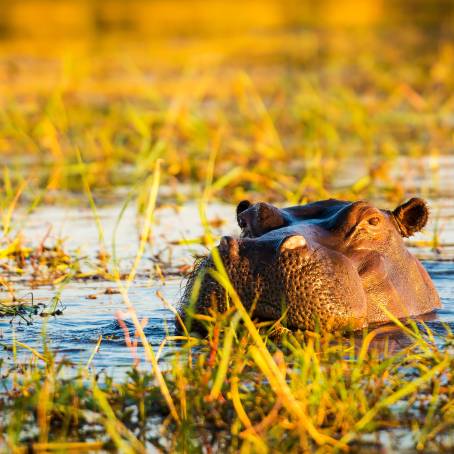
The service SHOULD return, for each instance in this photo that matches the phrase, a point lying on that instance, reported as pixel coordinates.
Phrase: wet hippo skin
(331, 264)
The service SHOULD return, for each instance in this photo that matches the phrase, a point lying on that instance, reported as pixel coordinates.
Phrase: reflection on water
(390, 339)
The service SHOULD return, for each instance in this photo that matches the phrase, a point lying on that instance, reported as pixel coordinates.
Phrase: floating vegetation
(25, 309)
(20, 309)
(40, 265)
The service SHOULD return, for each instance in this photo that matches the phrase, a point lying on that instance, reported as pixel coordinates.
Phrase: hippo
(327, 265)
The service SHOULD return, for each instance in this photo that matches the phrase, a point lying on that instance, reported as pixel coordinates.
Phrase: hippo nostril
(374, 220)
(225, 242)
(228, 245)
(293, 242)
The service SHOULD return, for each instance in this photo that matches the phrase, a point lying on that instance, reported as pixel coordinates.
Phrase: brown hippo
(332, 264)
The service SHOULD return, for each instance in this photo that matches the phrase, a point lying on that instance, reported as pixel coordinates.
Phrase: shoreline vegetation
(145, 105)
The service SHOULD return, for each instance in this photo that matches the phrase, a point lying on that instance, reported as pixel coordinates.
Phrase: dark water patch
(442, 274)
(115, 332)
(440, 329)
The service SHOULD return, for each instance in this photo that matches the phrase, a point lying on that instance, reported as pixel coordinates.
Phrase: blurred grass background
(288, 94)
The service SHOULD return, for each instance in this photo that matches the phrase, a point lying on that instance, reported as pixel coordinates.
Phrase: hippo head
(332, 264)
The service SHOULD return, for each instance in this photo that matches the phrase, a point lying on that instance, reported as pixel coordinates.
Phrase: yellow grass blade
(225, 358)
(77, 446)
(115, 427)
(93, 353)
(35, 352)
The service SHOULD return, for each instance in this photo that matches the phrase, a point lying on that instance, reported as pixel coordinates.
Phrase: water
(91, 308)
(75, 333)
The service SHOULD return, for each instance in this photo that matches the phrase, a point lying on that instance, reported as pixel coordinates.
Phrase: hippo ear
(411, 217)
(257, 219)
(243, 205)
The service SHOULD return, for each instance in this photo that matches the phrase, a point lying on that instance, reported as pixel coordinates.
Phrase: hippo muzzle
(327, 265)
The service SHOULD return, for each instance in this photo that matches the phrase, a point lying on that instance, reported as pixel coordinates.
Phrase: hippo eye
(374, 221)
